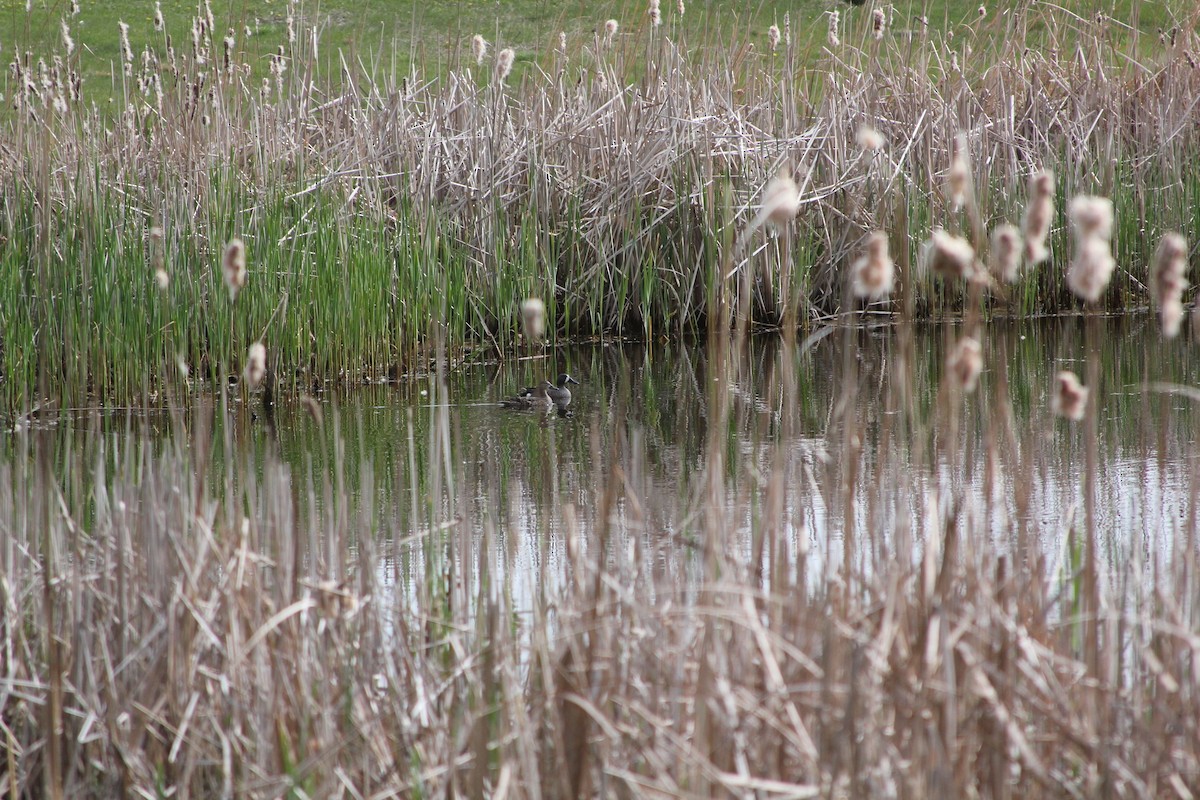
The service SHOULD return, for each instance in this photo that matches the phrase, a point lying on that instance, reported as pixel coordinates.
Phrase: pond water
(841, 447)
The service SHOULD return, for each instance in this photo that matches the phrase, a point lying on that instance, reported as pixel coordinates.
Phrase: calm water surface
(514, 492)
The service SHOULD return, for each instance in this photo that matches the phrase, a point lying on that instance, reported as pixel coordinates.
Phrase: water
(515, 494)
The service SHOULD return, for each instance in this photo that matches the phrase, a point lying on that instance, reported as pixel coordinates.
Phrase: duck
(531, 397)
(559, 394)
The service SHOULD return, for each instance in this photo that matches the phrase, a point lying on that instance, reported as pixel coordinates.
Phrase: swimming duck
(545, 396)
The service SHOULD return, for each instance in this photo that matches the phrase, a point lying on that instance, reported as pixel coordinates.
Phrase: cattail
(874, 273)
(1168, 281)
(1092, 216)
(610, 30)
(234, 267)
(878, 23)
(562, 42)
(68, 42)
(654, 13)
(159, 24)
(773, 37)
(74, 8)
(834, 17)
(1089, 274)
(947, 255)
(230, 42)
(162, 279)
(958, 178)
(1005, 253)
(126, 50)
(680, 7)
(291, 23)
(479, 48)
(1070, 396)
(504, 63)
(982, 12)
(787, 29)
(1038, 215)
(533, 318)
(256, 365)
(869, 139)
(247, 32)
(965, 363)
(781, 201)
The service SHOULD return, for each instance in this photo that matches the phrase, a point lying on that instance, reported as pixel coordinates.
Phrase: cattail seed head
(878, 23)
(1039, 213)
(869, 139)
(949, 256)
(1070, 396)
(1092, 269)
(680, 7)
(1091, 216)
(834, 39)
(533, 318)
(1168, 281)
(965, 364)
(610, 30)
(874, 272)
(781, 200)
(233, 266)
(1005, 253)
(162, 279)
(504, 63)
(479, 48)
(68, 42)
(256, 365)
(655, 13)
(773, 37)
(158, 17)
(958, 178)
(126, 50)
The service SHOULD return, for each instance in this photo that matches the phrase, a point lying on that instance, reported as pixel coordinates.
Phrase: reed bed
(607, 176)
(183, 617)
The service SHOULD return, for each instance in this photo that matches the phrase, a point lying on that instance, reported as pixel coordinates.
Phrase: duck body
(545, 396)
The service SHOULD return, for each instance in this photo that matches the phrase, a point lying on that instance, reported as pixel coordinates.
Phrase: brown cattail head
(874, 272)
(1091, 216)
(781, 200)
(504, 63)
(773, 37)
(158, 16)
(1070, 396)
(947, 255)
(533, 318)
(834, 20)
(965, 364)
(1089, 274)
(479, 48)
(958, 178)
(878, 23)
(869, 139)
(1005, 254)
(1039, 213)
(233, 266)
(680, 7)
(655, 13)
(1168, 281)
(256, 365)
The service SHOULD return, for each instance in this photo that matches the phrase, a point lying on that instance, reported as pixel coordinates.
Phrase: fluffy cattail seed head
(233, 266)
(949, 256)
(533, 318)
(965, 364)
(68, 42)
(479, 48)
(158, 17)
(680, 7)
(1070, 396)
(958, 178)
(1091, 216)
(874, 272)
(1005, 254)
(878, 23)
(869, 139)
(504, 63)
(781, 200)
(1039, 213)
(773, 37)
(1168, 281)
(833, 38)
(655, 13)
(256, 365)
(1092, 269)
(610, 30)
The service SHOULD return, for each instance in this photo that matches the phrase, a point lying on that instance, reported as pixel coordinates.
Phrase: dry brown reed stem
(1168, 281)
